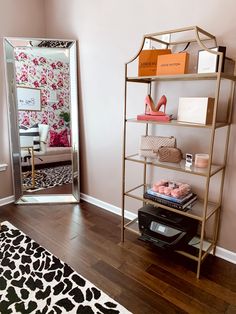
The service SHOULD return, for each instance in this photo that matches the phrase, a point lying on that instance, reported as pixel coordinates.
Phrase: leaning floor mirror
(43, 115)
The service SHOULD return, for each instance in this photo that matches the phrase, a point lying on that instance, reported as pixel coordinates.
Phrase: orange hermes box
(175, 63)
(148, 61)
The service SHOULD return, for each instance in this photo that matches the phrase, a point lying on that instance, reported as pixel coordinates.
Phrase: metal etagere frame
(203, 209)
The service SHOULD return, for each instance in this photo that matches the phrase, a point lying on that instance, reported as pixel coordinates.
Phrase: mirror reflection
(44, 87)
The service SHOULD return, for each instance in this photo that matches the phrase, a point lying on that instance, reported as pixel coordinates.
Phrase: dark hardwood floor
(61, 189)
(140, 277)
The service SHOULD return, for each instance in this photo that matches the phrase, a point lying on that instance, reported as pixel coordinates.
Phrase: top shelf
(181, 77)
(199, 36)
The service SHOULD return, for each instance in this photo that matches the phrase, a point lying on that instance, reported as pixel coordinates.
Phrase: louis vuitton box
(148, 61)
(172, 64)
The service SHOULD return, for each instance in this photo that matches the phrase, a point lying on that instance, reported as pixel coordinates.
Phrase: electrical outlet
(3, 167)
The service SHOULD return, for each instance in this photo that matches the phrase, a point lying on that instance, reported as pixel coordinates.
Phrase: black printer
(164, 228)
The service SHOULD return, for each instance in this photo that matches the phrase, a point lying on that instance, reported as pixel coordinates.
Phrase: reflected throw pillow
(59, 139)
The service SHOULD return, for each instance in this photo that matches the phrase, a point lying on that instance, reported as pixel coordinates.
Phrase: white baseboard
(7, 200)
(226, 254)
(107, 206)
(220, 252)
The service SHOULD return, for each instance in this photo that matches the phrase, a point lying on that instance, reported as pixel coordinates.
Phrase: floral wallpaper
(48, 74)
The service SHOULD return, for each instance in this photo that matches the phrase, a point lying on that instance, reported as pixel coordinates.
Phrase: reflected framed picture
(28, 99)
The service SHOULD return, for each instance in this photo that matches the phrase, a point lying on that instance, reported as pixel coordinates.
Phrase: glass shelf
(178, 123)
(196, 212)
(175, 166)
(181, 77)
(190, 251)
(132, 225)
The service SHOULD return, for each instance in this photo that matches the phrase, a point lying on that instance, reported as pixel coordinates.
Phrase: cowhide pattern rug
(32, 280)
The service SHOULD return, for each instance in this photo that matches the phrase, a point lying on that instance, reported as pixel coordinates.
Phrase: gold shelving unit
(203, 209)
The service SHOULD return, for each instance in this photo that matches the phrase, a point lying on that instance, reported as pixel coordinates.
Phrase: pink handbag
(169, 154)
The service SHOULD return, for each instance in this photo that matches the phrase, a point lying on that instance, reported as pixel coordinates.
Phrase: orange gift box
(148, 61)
(170, 64)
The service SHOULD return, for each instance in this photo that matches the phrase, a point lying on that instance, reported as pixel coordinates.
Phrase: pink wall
(110, 34)
(23, 18)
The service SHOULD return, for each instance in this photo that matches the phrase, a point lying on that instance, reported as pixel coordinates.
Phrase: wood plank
(213, 304)
(184, 268)
(136, 290)
(177, 297)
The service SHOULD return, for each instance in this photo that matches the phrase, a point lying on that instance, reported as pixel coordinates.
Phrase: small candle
(201, 160)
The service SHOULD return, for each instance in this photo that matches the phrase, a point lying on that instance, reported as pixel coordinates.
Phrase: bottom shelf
(191, 250)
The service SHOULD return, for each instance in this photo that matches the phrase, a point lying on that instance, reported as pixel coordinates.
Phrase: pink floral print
(35, 61)
(48, 75)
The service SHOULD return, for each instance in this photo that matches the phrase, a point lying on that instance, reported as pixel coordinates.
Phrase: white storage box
(209, 62)
(196, 110)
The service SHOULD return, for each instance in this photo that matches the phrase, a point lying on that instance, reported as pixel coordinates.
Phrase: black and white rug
(48, 177)
(32, 280)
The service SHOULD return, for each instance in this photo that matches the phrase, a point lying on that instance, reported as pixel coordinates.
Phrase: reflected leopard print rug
(48, 178)
(32, 280)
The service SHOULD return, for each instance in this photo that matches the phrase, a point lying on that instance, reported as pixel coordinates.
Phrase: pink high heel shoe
(150, 108)
(162, 102)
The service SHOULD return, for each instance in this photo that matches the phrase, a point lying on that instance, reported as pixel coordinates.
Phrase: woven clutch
(150, 145)
(170, 154)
